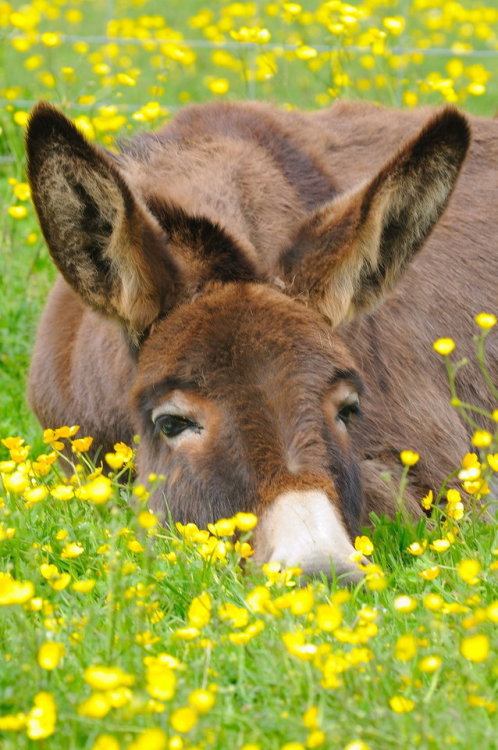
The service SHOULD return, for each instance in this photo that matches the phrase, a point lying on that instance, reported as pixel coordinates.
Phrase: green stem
(481, 356)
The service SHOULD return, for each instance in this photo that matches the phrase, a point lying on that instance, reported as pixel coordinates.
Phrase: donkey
(233, 285)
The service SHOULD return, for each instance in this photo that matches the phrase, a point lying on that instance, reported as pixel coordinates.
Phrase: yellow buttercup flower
(405, 647)
(244, 549)
(427, 500)
(18, 212)
(106, 742)
(430, 663)
(306, 53)
(250, 632)
(50, 654)
(375, 578)
(14, 592)
(316, 738)
(394, 24)
(328, 617)
(485, 320)
(161, 679)
(311, 717)
(293, 8)
(475, 648)
(126, 80)
(218, 86)
(401, 705)
(245, 521)
(96, 706)
(433, 602)
(301, 601)
(16, 482)
(81, 445)
(84, 585)
(440, 545)
(368, 613)
(183, 719)
(187, 634)
(456, 511)
(99, 490)
(152, 739)
(417, 548)
(492, 611)
(12, 722)
(48, 570)
(22, 191)
(199, 611)
(296, 645)
(238, 616)
(41, 720)
(147, 519)
(468, 570)
(258, 599)
(482, 439)
(35, 495)
(409, 458)
(12, 442)
(364, 545)
(202, 701)
(72, 549)
(135, 546)
(62, 492)
(6, 532)
(107, 678)
(60, 582)
(405, 604)
(51, 39)
(444, 346)
(119, 458)
(223, 527)
(453, 497)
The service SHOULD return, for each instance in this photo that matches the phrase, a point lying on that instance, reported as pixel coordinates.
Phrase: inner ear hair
(103, 239)
(351, 252)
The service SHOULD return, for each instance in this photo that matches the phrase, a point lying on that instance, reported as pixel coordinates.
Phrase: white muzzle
(302, 528)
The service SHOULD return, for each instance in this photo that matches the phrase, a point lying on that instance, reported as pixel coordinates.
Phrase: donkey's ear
(352, 251)
(106, 244)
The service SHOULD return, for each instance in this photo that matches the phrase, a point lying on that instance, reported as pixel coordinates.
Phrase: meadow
(117, 634)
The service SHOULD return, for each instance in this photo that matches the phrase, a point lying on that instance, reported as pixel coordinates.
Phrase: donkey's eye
(172, 425)
(348, 409)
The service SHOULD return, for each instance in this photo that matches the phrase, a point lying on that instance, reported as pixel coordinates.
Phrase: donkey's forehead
(244, 331)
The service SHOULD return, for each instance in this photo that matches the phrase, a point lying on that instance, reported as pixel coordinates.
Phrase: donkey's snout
(303, 529)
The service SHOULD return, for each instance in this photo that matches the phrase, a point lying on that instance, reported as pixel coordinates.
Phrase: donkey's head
(243, 389)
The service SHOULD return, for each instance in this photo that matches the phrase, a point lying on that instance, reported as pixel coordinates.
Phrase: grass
(409, 658)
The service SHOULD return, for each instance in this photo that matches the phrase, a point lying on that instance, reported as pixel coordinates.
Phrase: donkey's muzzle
(303, 529)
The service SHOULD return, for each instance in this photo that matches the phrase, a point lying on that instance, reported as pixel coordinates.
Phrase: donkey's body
(234, 187)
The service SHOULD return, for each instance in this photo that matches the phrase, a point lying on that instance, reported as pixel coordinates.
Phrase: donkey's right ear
(105, 242)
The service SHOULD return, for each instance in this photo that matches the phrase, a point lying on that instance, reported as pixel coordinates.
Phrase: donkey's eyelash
(172, 425)
(347, 411)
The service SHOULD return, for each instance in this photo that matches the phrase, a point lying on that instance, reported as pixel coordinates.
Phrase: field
(116, 634)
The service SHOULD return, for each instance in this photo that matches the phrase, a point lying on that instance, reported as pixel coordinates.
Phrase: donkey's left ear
(352, 251)
(102, 237)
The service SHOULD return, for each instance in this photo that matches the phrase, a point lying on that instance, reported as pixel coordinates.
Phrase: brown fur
(223, 243)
